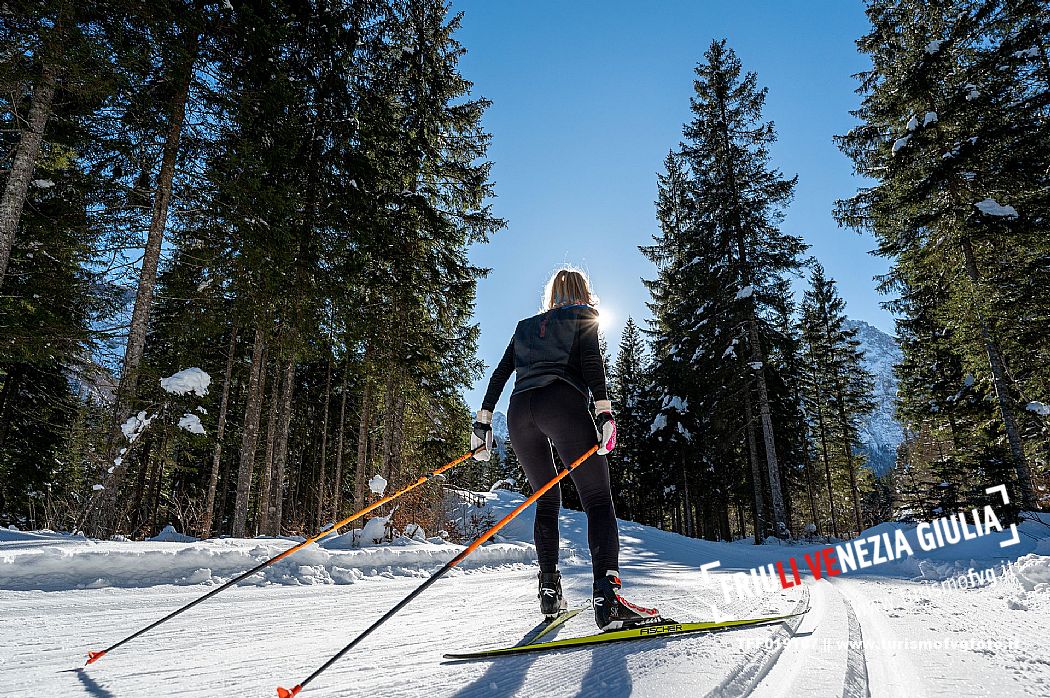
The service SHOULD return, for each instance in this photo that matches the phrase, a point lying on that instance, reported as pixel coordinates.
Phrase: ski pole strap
(285, 693)
(95, 656)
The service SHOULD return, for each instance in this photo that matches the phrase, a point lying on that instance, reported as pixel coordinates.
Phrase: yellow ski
(640, 633)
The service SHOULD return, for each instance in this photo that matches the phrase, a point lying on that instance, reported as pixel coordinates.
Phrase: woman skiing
(557, 360)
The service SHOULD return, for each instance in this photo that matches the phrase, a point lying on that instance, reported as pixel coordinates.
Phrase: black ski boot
(551, 600)
(613, 612)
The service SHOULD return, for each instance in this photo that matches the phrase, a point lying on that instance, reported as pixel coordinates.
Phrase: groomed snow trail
(864, 635)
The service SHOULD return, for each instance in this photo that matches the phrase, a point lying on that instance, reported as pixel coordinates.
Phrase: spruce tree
(836, 388)
(721, 258)
(629, 462)
(954, 133)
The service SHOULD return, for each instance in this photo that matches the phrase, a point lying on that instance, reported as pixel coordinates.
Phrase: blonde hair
(567, 286)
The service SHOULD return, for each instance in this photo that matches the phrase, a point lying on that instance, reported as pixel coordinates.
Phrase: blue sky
(588, 97)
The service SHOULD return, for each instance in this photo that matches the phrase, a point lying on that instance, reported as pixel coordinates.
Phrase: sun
(606, 318)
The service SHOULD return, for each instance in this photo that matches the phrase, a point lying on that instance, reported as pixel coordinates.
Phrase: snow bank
(55, 562)
(88, 564)
(170, 535)
(51, 561)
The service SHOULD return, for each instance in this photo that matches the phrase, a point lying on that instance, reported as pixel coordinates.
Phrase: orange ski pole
(95, 656)
(288, 693)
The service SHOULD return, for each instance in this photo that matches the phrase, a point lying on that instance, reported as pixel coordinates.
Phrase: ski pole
(95, 656)
(288, 693)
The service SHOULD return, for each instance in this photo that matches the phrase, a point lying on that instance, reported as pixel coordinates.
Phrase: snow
(170, 535)
(755, 365)
(61, 595)
(913, 123)
(900, 143)
(374, 531)
(191, 423)
(415, 532)
(1040, 408)
(98, 488)
(187, 381)
(930, 118)
(43, 183)
(745, 292)
(1027, 53)
(135, 425)
(658, 423)
(676, 403)
(377, 484)
(934, 46)
(972, 93)
(991, 207)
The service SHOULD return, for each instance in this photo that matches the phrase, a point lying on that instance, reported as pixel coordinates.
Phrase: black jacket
(560, 344)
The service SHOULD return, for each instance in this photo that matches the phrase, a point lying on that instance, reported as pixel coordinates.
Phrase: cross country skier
(557, 359)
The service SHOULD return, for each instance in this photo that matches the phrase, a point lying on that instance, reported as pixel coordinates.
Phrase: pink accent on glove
(611, 443)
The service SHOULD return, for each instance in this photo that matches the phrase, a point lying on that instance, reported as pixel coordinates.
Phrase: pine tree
(55, 78)
(629, 462)
(836, 388)
(954, 133)
(721, 258)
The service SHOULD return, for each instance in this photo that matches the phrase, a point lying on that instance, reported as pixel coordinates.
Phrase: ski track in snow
(252, 638)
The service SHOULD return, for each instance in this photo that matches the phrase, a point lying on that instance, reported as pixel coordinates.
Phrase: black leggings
(559, 413)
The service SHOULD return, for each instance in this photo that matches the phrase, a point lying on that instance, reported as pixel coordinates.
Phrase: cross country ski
(645, 632)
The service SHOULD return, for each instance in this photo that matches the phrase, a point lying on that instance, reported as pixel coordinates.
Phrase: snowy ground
(884, 634)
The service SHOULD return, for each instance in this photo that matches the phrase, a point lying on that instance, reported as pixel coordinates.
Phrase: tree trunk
(24, 161)
(287, 392)
(324, 446)
(389, 423)
(362, 446)
(337, 484)
(847, 447)
(772, 464)
(250, 436)
(398, 443)
(807, 464)
(12, 382)
(689, 524)
(220, 432)
(1002, 392)
(155, 238)
(759, 510)
(262, 509)
(827, 472)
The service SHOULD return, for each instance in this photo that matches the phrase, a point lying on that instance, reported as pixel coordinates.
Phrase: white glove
(603, 418)
(482, 435)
